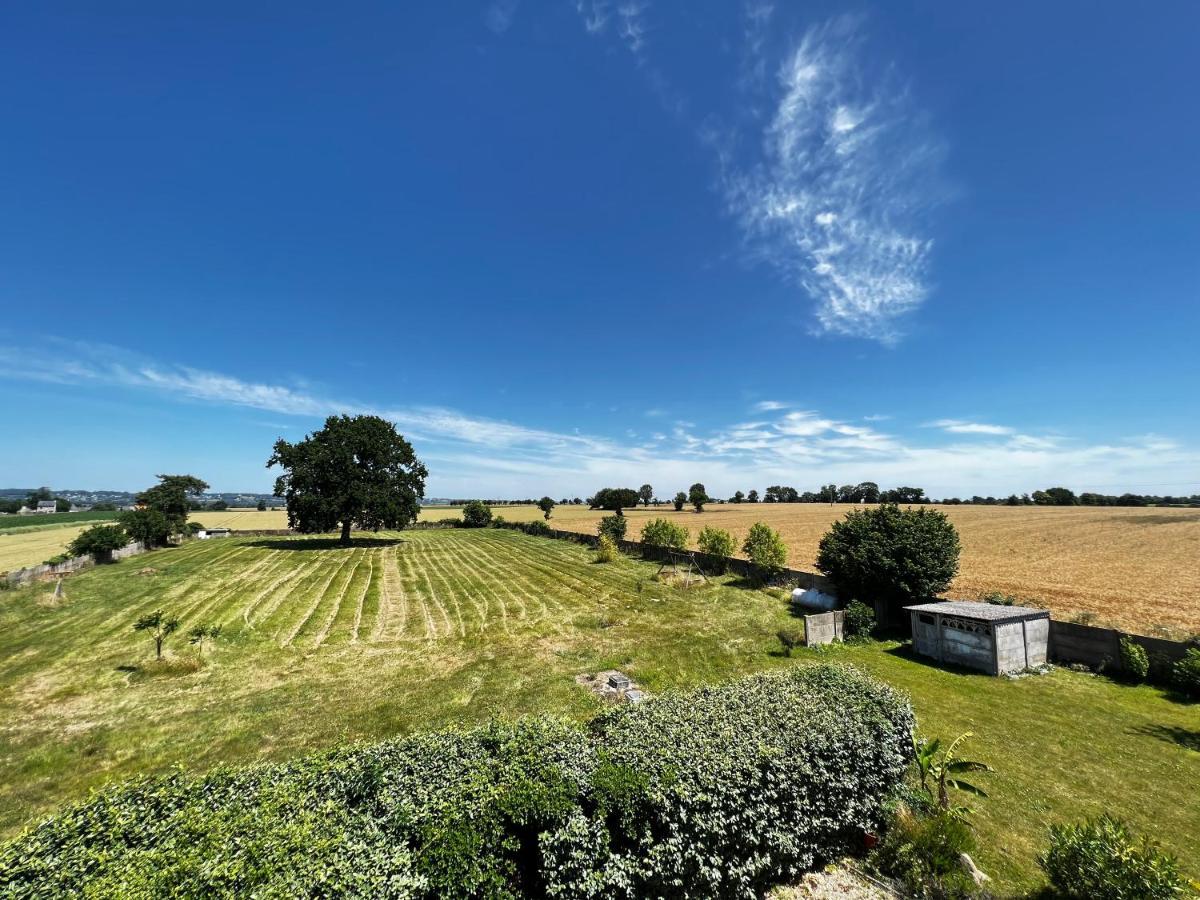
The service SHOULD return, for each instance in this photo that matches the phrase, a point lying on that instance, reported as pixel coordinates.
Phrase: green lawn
(401, 632)
(53, 520)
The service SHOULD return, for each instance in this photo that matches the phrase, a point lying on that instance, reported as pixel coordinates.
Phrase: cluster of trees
(161, 626)
(865, 492)
(1061, 496)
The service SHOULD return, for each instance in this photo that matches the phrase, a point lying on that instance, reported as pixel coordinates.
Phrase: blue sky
(566, 245)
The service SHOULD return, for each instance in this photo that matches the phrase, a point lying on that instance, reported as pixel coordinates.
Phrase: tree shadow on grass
(1185, 737)
(325, 543)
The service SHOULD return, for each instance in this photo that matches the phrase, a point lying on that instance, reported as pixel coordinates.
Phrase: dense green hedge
(709, 793)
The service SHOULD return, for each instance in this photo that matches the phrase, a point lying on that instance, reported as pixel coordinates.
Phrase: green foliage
(170, 498)
(476, 514)
(194, 528)
(765, 549)
(1185, 674)
(900, 556)
(659, 799)
(697, 496)
(202, 633)
(54, 521)
(546, 505)
(922, 847)
(860, 621)
(679, 501)
(160, 626)
(646, 494)
(614, 499)
(357, 471)
(664, 533)
(940, 770)
(147, 526)
(614, 527)
(56, 559)
(99, 540)
(716, 542)
(1135, 662)
(1101, 860)
(606, 549)
(262, 506)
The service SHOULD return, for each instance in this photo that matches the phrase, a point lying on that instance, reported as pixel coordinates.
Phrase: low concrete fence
(69, 566)
(824, 628)
(1100, 648)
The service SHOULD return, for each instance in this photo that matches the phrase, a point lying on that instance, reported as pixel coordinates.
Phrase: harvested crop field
(1135, 568)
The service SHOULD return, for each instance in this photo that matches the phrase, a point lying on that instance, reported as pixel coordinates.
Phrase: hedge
(716, 792)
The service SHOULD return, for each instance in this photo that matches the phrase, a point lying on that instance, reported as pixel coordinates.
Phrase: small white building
(996, 639)
(46, 506)
(205, 533)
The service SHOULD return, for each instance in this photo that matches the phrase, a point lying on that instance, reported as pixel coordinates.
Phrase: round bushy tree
(99, 541)
(679, 501)
(896, 555)
(717, 543)
(664, 533)
(476, 514)
(765, 548)
(613, 526)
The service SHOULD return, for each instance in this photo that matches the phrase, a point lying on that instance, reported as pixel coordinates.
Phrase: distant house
(205, 533)
(46, 506)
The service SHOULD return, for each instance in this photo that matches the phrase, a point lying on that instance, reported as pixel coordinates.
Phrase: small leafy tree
(476, 514)
(202, 633)
(679, 501)
(765, 549)
(717, 543)
(614, 499)
(262, 506)
(646, 493)
(546, 505)
(171, 497)
(606, 549)
(899, 556)
(752, 497)
(697, 496)
(664, 533)
(738, 497)
(159, 625)
(613, 527)
(99, 541)
(1185, 674)
(939, 771)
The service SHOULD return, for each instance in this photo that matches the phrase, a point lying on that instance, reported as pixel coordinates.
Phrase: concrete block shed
(995, 639)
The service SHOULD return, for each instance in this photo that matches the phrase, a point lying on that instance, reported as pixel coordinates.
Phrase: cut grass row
(322, 644)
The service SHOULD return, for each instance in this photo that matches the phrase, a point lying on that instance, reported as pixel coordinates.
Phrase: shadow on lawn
(905, 651)
(301, 544)
(1172, 734)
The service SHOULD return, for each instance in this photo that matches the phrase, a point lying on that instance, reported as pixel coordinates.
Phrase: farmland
(407, 631)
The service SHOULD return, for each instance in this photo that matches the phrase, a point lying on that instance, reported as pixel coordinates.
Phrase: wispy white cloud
(958, 426)
(472, 454)
(837, 198)
(595, 14)
(499, 15)
(768, 405)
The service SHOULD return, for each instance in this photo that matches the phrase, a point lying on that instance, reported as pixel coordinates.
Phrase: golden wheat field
(1137, 568)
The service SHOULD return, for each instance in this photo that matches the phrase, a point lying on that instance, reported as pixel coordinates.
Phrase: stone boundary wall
(824, 628)
(68, 567)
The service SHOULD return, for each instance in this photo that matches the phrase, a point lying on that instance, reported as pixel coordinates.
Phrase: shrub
(194, 528)
(765, 549)
(606, 549)
(664, 533)
(639, 804)
(922, 847)
(860, 621)
(614, 527)
(99, 541)
(896, 555)
(1101, 860)
(537, 527)
(476, 514)
(1185, 674)
(499, 522)
(56, 559)
(716, 542)
(680, 499)
(1134, 661)
(709, 773)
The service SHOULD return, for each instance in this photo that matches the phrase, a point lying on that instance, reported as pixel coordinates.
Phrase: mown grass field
(411, 631)
(1135, 569)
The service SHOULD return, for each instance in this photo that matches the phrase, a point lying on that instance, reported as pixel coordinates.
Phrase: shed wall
(966, 643)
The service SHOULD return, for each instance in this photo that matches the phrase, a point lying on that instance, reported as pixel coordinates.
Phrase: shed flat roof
(981, 612)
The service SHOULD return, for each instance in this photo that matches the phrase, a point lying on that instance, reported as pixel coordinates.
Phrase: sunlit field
(399, 632)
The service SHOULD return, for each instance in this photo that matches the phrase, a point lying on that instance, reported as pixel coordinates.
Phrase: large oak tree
(357, 471)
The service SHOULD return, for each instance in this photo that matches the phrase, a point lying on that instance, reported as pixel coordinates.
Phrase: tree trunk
(346, 533)
(158, 648)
